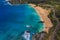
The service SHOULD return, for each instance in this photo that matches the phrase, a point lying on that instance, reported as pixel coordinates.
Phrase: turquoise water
(14, 18)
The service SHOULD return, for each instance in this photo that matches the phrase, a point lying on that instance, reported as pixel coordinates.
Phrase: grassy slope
(57, 8)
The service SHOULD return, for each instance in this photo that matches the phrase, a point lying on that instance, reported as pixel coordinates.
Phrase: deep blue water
(13, 20)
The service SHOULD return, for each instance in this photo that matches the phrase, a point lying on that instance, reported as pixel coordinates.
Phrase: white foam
(27, 25)
(26, 36)
(7, 2)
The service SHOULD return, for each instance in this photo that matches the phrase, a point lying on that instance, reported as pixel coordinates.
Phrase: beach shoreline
(43, 13)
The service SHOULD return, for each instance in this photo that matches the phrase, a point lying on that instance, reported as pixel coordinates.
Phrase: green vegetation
(58, 12)
(56, 5)
(46, 4)
(54, 21)
(51, 16)
(57, 37)
(14, 1)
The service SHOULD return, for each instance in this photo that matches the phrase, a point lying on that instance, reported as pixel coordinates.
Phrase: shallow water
(14, 18)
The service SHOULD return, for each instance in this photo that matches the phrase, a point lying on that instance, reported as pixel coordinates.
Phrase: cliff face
(39, 36)
(27, 1)
(18, 1)
(14, 1)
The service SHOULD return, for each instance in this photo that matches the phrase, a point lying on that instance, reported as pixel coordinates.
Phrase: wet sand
(43, 13)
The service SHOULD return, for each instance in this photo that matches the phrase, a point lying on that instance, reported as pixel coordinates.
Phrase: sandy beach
(43, 13)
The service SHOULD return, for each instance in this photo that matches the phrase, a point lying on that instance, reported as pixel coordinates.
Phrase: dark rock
(40, 21)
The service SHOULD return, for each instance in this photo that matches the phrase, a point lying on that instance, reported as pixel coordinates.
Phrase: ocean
(16, 19)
